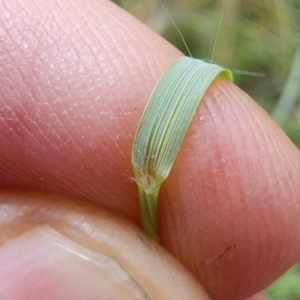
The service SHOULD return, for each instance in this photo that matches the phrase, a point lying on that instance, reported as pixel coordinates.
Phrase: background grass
(259, 37)
(255, 36)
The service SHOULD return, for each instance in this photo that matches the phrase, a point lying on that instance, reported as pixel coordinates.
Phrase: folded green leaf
(164, 123)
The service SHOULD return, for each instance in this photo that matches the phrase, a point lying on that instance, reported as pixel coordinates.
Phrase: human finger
(71, 103)
(54, 247)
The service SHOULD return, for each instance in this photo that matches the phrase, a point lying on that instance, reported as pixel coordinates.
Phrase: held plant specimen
(162, 128)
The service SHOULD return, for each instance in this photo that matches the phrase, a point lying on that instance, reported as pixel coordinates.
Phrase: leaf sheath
(162, 128)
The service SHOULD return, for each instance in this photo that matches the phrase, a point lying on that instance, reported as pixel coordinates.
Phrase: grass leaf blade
(163, 126)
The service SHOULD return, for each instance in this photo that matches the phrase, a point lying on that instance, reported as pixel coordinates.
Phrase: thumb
(54, 247)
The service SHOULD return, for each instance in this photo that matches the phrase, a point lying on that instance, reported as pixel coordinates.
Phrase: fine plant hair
(176, 27)
(234, 71)
(128, 176)
(215, 42)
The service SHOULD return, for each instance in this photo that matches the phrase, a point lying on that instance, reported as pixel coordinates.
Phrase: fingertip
(232, 199)
(73, 87)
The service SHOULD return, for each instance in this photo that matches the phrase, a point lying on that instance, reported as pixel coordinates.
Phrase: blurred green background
(260, 42)
(255, 36)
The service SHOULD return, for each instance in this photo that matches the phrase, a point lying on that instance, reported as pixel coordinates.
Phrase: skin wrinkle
(127, 27)
(21, 112)
(6, 121)
(172, 218)
(261, 239)
(166, 192)
(238, 128)
(247, 228)
(70, 222)
(206, 206)
(120, 148)
(28, 9)
(243, 263)
(216, 172)
(191, 182)
(152, 65)
(124, 111)
(202, 165)
(295, 177)
(285, 246)
(245, 147)
(28, 89)
(133, 47)
(269, 146)
(217, 259)
(74, 27)
(99, 180)
(269, 259)
(59, 141)
(229, 132)
(216, 168)
(69, 140)
(277, 178)
(117, 41)
(251, 259)
(10, 128)
(206, 201)
(264, 145)
(250, 244)
(87, 44)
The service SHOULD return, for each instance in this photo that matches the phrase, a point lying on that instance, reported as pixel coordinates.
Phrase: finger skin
(239, 176)
(75, 79)
(54, 247)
